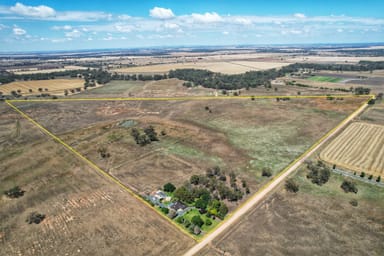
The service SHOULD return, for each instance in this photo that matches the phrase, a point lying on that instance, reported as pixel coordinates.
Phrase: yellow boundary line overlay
(124, 187)
(95, 167)
(194, 98)
(293, 162)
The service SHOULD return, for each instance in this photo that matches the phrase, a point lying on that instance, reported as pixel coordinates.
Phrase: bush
(378, 179)
(208, 222)
(35, 217)
(349, 186)
(291, 186)
(266, 172)
(164, 210)
(354, 202)
(319, 174)
(362, 175)
(14, 192)
(180, 219)
(196, 220)
(169, 187)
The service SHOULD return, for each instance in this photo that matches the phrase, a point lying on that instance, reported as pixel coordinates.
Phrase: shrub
(35, 217)
(354, 202)
(14, 192)
(362, 175)
(319, 174)
(164, 210)
(208, 222)
(169, 187)
(291, 186)
(196, 220)
(378, 179)
(180, 219)
(349, 186)
(266, 172)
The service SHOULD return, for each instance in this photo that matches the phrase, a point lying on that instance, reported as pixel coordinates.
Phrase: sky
(100, 24)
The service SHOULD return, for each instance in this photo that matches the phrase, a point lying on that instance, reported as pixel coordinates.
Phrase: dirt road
(260, 195)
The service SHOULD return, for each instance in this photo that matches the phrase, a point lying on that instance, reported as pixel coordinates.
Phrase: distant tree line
(254, 79)
(98, 75)
(138, 77)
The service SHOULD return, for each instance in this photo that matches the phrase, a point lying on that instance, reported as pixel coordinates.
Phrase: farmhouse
(178, 207)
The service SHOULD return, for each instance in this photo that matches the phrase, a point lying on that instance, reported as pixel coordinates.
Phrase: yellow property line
(95, 167)
(193, 98)
(292, 163)
(119, 183)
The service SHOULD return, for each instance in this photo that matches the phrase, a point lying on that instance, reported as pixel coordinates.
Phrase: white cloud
(2, 26)
(73, 33)
(41, 11)
(124, 17)
(65, 27)
(82, 16)
(299, 15)
(225, 33)
(171, 25)
(124, 28)
(242, 21)
(19, 31)
(161, 13)
(208, 17)
(340, 30)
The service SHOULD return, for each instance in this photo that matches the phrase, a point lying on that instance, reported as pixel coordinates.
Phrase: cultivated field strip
(358, 148)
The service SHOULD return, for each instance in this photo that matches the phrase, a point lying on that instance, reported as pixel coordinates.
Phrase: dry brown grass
(85, 213)
(54, 86)
(358, 148)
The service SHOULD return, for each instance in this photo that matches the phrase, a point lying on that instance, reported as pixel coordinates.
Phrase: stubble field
(54, 86)
(358, 148)
(226, 67)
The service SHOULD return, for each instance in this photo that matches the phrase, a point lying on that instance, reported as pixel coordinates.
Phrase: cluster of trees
(143, 139)
(210, 79)
(361, 66)
(208, 191)
(349, 186)
(318, 173)
(138, 77)
(14, 192)
(98, 75)
(362, 91)
(253, 79)
(216, 181)
(370, 177)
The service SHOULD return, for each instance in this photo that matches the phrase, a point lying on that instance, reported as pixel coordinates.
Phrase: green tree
(196, 220)
(349, 186)
(266, 172)
(223, 210)
(151, 133)
(194, 179)
(169, 187)
(291, 186)
(183, 194)
(200, 203)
